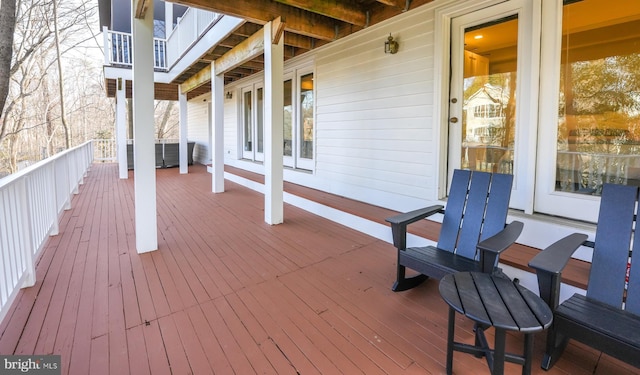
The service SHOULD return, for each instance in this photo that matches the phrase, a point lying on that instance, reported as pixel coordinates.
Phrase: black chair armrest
(554, 258)
(491, 247)
(399, 223)
(503, 239)
(415, 215)
(549, 264)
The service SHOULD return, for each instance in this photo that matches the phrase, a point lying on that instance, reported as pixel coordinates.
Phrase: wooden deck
(228, 294)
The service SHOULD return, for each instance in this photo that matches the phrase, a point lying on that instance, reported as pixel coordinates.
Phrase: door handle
(453, 120)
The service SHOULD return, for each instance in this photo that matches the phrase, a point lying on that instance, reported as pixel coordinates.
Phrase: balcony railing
(30, 204)
(190, 28)
(118, 50)
(195, 22)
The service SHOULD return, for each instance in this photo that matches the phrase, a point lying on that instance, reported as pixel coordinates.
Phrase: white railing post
(27, 237)
(51, 203)
(66, 187)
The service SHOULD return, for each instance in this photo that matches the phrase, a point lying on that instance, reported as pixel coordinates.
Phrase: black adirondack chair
(608, 317)
(473, 232)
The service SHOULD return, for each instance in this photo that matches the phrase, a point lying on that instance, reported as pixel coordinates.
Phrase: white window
(298, 126)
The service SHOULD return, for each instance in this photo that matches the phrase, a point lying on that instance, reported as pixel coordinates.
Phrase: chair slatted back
(614, 233)
(476, 209)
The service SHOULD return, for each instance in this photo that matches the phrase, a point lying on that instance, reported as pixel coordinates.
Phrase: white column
(217, 131)
(273, 128)
(146, 221)
(184, 161)
(121, 128)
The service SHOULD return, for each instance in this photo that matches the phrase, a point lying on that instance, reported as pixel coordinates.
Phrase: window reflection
(599, 107)
(288, 113)
(306, 116)
(488, 123)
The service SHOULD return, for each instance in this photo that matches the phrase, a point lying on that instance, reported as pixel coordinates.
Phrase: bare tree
(7, 27)
(56, 37)
(45, 32)
(167, 126)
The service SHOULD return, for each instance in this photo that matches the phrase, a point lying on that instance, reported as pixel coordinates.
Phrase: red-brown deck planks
(228, 294)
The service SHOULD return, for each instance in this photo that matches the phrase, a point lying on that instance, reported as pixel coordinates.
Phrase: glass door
(487, 116)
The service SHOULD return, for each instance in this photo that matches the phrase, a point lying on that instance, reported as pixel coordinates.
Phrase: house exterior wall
(198, 128)
(374, 132)
(374, 115)
(380, 126)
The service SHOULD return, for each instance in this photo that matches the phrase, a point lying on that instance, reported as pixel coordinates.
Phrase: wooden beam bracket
(141, 7)
(277, 29)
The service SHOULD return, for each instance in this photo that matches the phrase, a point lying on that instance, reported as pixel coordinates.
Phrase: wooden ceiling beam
(248, 49)
(290, 39)
(247, 29)
(261, 12)
(242, 53)
(140, 7)
(395, 3)
(342, 11)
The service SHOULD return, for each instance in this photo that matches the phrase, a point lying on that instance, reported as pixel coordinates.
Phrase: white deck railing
(118, 49)
(105, 150)
(31, 202)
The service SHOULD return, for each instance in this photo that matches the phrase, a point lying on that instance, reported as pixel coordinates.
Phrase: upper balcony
(190, 28)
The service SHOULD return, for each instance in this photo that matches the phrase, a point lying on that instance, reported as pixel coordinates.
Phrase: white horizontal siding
(231, 127)
(198, 127)
(374, 127)
(374, 134)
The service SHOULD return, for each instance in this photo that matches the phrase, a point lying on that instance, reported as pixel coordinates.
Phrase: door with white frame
(493, 91)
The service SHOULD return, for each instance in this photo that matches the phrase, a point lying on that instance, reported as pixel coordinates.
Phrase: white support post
(121, 129)
(146, 221)
(217, 131)
(273, 128)
(184, 161)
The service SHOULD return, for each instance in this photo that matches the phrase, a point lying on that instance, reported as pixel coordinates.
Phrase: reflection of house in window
(485, 115)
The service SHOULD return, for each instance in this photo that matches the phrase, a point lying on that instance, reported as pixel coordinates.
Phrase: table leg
(451, 330)
(498, 352)
(528, 354)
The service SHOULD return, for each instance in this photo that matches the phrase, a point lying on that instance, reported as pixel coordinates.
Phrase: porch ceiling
(309, 24)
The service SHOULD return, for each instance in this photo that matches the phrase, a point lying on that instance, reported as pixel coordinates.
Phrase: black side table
(493, 301)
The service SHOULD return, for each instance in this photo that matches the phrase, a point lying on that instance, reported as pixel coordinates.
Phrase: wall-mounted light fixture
(390, 46)
(229, 95)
